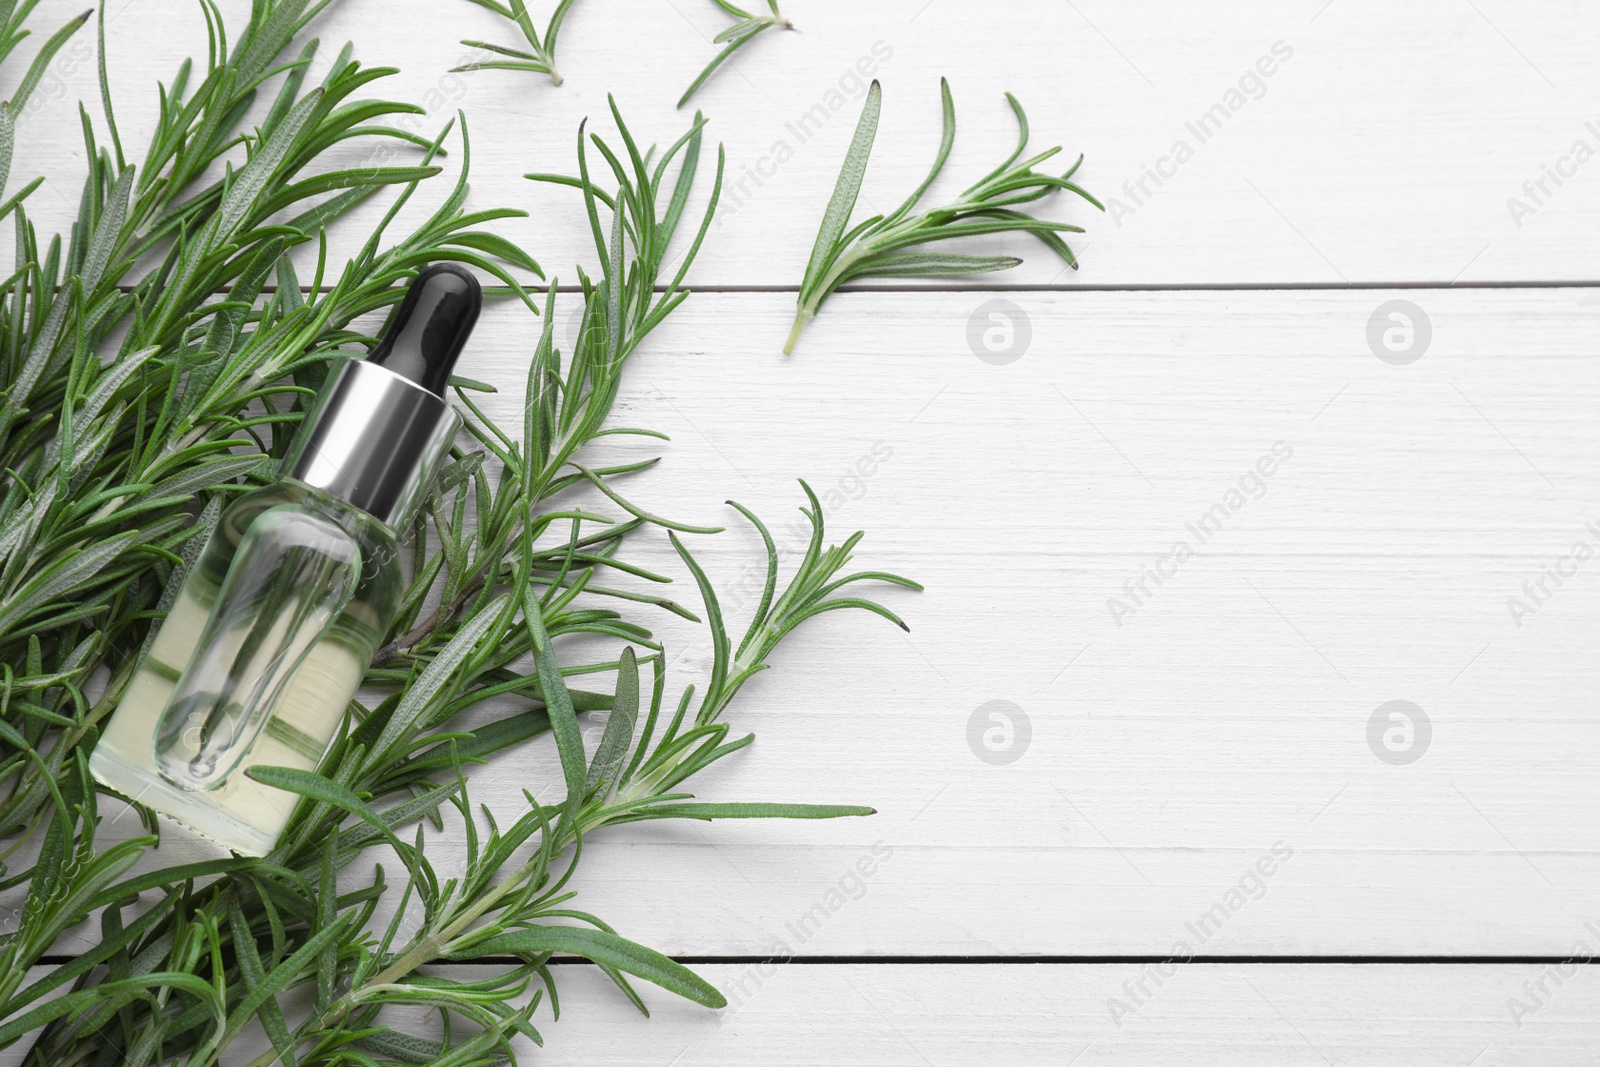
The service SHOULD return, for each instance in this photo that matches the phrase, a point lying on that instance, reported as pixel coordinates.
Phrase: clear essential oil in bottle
(292, 594)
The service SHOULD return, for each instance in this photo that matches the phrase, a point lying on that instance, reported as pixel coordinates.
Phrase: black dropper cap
(431, 326)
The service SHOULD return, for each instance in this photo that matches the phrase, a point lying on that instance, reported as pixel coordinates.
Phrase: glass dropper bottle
(292, 594)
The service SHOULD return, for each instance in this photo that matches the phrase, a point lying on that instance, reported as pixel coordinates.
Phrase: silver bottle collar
(374, 440)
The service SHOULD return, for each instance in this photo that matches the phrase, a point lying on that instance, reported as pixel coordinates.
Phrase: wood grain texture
(1047, 1016)
(1043, 1015)
(1383, 147)
(1038, 1014)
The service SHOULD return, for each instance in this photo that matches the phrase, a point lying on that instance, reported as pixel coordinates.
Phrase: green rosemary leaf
(8, 140)
(110, 994)
(947, 140)
(749, 30)
(64, 578)
(56, 849)
(112, 945)
(632, 509)
(289, 91)
(497, 246)
(416, 776)
(208, 475)
(736, 36)
(498, 50)
(531, 66)
(558, 704)
(502, 733)
(167, 876)
(620, 980)
(249, 183)
(254, 976)
(110, 383)
(107, 232)
(318, 787)
(400, 815)
(618, 736)
(739, 32)
(820, 606)
(720, 645)
(12, 202)
(603, 947)
(553, 29)
(327, 918)
(24, 523)
(401, 1047)
(41, 61)
(431, 682)
(87, 876)
(519, 11)
(927, 265)
(281, 978)
(843, 202)
(346, 179)
(657, 692)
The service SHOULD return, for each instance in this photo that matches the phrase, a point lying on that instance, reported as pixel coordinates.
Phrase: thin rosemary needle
(747, 28)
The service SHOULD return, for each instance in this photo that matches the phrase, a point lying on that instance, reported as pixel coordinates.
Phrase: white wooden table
(1021, 903)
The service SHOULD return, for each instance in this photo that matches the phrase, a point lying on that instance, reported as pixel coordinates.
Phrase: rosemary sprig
(883, 246)
(542, 58)
(742, 32)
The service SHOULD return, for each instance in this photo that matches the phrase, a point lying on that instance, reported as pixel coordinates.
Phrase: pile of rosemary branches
(155, 361)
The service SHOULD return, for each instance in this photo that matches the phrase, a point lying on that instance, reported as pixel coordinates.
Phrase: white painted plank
(913, 1016)
(1033, 1015)
(1229, 713)
(1385, 146)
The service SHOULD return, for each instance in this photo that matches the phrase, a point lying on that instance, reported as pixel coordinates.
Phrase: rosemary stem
(420, 952)
(801, 318)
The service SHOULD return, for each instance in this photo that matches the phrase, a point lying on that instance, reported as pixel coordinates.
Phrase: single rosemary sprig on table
(542, 58)
(887, 246)
(736, 37)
